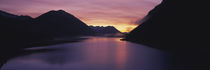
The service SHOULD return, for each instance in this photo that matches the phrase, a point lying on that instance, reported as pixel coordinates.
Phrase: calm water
(96, 53)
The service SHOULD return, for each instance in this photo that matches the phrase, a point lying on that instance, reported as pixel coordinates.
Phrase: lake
(95, 53)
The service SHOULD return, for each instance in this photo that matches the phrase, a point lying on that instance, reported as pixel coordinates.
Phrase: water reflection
(121, 55)
(96, 53)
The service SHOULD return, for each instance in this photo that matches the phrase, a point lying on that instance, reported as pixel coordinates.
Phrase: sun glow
(122, 27)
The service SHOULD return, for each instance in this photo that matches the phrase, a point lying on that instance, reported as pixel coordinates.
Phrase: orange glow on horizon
(122, 27)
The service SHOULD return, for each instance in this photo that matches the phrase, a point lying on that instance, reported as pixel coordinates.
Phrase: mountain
(174, 24)
(18, 32)
(107, 31)
(104, 30)
(181, 28)
(61, 24)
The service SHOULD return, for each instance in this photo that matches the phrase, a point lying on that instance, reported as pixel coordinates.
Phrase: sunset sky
(119, 13)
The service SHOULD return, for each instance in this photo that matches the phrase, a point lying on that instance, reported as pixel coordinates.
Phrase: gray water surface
(95, 53)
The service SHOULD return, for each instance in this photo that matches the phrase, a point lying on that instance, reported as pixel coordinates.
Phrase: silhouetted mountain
(22, 30)
(173, 24)
(107, 31)
(61, 24)
(181, 26)
(104, 30)
(16, 31)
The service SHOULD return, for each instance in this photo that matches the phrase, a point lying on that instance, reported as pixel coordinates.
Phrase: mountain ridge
(23, 30)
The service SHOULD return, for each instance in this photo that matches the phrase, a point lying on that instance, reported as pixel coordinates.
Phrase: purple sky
(119, 13)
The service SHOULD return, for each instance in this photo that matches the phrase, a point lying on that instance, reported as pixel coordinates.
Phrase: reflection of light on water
(119, 48)
(121, 54)
(101, 51)
(118, 40)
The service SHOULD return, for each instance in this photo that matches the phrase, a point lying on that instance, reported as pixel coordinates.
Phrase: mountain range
(22, 30)
(104, 29)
